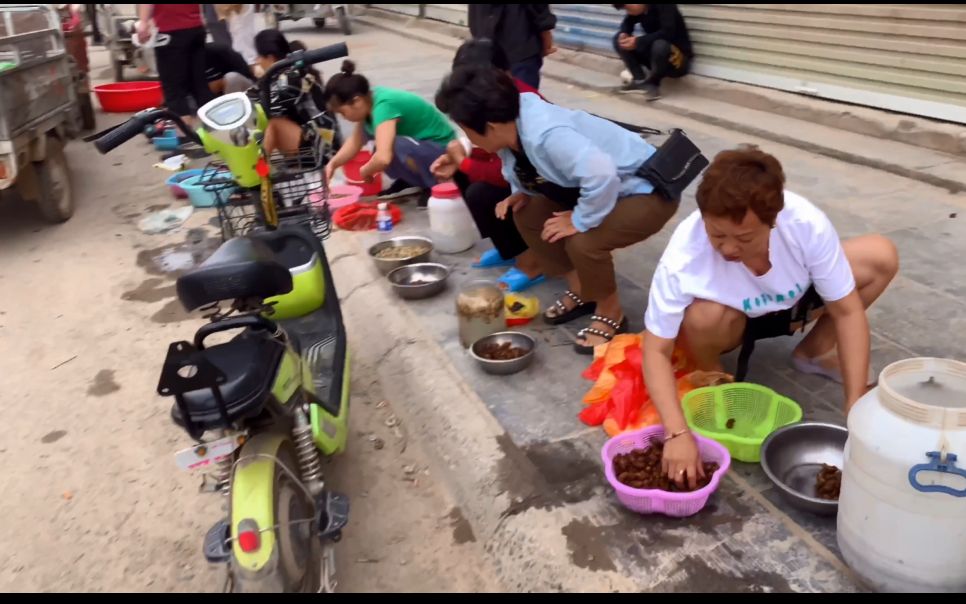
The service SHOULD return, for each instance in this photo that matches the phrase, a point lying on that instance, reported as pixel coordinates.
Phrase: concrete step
(818, 131)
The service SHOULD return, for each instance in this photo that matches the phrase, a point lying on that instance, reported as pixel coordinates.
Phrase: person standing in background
(216, 25)
(241, 26)
(523, 31)
(664, 49)
(181, 62)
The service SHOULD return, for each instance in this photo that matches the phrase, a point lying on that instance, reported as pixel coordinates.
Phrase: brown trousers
(632, 220)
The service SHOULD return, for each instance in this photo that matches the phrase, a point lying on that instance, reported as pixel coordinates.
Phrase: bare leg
(573, 284)
(610, 308)
(282, 134)
(710, 330)
(874, 262)
(528, 264)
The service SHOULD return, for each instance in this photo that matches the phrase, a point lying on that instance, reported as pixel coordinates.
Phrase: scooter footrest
(333, 510)
(217, 546)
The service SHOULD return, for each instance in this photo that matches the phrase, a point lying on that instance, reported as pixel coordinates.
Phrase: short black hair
(476, 96)
(619, 6)
(481, 52)
(272, 43)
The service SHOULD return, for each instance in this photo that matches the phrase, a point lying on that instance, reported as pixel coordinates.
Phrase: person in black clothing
(664, 49)
(226, 70)
(523, 31)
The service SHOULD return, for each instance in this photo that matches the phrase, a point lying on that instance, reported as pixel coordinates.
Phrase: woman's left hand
(558, 227)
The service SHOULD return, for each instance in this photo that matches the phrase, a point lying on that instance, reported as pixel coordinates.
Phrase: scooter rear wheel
(298, 551)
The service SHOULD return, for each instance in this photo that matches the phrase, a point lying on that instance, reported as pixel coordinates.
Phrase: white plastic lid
(926, 390)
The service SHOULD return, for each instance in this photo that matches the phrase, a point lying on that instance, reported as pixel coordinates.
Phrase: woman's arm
(348, 150)
(575, 157)
(681, 457)
(852, 337)
(385, 138)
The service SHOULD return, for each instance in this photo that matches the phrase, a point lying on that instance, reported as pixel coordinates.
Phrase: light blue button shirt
(575, 149)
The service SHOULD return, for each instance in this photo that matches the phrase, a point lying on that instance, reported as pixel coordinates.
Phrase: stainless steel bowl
(520, 340)
(386, 266)
(417, 281)
(792, 457)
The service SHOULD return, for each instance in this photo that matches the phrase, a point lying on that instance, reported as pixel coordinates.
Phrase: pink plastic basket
(653, 501)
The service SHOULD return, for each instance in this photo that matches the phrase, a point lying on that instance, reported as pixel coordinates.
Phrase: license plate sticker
(205, 455)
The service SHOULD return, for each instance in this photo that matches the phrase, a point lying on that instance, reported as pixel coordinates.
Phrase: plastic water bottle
(383, 218)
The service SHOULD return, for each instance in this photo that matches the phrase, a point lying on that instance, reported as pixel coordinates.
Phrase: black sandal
(580, 309)
(618, 329)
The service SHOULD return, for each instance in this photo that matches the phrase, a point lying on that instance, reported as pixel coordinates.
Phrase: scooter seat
(242, 268)
(249, 362)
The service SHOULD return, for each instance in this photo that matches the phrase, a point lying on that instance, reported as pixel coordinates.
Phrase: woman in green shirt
(410, 134)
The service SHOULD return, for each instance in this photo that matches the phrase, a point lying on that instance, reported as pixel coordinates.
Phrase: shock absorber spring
(222, 474)
(310, 462)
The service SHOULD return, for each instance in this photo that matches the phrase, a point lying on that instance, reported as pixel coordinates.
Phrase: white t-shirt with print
(804, 250)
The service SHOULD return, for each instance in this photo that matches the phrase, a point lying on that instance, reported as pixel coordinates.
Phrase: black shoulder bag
(674, 165)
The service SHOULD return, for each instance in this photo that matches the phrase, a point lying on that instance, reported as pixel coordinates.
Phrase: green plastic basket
(756, 412)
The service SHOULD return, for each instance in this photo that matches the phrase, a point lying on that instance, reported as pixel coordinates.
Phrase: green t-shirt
(416, 118)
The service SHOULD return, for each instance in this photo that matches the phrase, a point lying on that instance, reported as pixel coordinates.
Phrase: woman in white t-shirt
(757, 261)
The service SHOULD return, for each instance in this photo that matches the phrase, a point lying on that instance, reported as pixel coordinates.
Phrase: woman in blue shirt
(575, 196)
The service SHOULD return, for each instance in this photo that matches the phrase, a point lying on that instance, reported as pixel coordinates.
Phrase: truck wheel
(319, 23)
(118, 69)
(344, 23)
(88, 120)
(56, 199)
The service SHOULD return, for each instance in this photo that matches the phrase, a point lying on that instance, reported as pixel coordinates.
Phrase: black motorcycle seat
(249, 362)
(240, 268)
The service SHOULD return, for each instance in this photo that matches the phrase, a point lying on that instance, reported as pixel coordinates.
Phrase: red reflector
(262, 168)
(249, 541)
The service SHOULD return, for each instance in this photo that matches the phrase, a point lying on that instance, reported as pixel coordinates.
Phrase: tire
(118, 69)
(344, 23)
(319, 22)
(88, 119)
(56, 199)
(298, 550)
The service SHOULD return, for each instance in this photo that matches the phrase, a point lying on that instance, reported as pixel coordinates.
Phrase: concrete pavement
(553, 506)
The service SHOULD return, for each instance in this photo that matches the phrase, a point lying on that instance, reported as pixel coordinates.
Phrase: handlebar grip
(327, 53)
(120, 135)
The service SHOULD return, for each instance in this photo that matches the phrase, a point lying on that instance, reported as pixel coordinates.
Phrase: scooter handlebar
(119, 135)
(307, 57)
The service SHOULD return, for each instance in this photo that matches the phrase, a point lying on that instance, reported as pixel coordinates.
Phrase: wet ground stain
(547, 475)
(694, 574)
(151, 290)
(103, 383)
(52, 437)
(588, 545)
(462, 530)
(174, 259)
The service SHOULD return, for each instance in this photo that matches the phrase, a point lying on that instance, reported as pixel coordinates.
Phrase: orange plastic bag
(619, 400)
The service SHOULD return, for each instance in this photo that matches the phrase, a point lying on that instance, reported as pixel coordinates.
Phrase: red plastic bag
(361, 216)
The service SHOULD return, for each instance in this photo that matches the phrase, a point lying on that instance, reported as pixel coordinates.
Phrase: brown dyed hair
(743, 179)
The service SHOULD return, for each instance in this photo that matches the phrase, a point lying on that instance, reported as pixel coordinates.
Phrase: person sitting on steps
(664, 50)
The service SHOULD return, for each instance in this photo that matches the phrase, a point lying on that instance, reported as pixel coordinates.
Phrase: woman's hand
(513, 202)
(558, 227)
(330, 169)
(444, 168)
(143, 31)
(627, 42)
(682, 461)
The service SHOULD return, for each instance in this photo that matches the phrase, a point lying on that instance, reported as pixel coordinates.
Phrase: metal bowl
(792, 457)
(386, 266)
(417, 281)
(520, 340)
